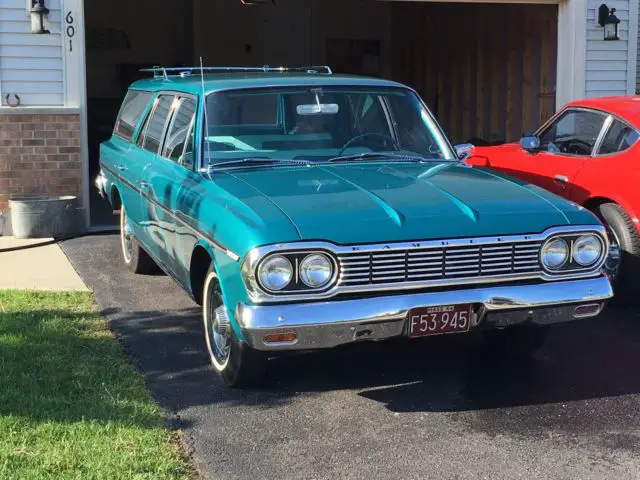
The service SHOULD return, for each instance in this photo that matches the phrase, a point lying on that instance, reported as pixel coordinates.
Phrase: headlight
(555, 254)
(587, 250)
(275, 273)
(316, 270)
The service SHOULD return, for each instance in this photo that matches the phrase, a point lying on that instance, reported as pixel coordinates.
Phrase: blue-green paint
(345, 203)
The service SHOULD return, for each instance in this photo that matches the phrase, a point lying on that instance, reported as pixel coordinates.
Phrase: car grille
(441, 263)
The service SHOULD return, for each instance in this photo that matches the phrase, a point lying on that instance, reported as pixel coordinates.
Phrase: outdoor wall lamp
(608, 20)
(256, 2)
(38, 12)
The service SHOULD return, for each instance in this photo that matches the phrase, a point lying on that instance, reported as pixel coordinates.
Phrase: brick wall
(39, 154)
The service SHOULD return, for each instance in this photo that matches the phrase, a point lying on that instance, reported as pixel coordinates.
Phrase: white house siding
(638, 61)
(31, 66)
(607, 61)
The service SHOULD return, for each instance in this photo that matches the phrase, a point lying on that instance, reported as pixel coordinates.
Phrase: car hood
(375, 202)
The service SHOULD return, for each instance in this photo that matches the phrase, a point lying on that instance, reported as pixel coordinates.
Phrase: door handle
(143, 184)
(561, 180)
(122, 168)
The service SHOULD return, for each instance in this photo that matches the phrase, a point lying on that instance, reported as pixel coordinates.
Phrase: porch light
(38, 12)
(256, 2)
(608, 20)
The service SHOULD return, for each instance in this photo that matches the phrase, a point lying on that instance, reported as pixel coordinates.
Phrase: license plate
(428, 321)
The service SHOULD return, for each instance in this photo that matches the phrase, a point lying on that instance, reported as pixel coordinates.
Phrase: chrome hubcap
(614, 259)
(217, 327)
(127, 236)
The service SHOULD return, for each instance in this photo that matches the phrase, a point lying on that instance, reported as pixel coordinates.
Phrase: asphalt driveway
(422, 409)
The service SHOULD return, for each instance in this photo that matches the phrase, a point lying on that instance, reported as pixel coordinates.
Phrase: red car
(588, 153)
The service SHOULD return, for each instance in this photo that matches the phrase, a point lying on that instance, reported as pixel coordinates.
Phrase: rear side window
(618, 138)
(132, 109)
(179, 143)
(156, 123)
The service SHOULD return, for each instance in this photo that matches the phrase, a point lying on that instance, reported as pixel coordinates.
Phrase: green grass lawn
(70, 404)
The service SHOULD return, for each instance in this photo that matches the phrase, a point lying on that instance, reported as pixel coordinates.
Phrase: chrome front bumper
(331, 323)
(101, 184)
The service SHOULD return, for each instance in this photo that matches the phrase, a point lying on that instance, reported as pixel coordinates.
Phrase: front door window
(575, 132)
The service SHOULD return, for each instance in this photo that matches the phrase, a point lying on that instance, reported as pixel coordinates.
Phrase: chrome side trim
(603, 133)
(255, 256)
(327, 324)
(176, 215)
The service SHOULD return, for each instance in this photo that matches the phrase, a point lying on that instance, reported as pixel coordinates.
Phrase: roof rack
(162, 72)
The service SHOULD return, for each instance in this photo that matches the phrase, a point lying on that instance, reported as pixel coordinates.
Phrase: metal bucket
(43, 217)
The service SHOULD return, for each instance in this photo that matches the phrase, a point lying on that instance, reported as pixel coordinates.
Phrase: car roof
(231, 81)
(625, 107)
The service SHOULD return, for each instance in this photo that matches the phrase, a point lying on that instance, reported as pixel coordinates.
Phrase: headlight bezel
(570, 265)
(296, 285)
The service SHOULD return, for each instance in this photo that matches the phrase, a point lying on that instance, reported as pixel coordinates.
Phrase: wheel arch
(592, 203)
(201, 259)
(116, 198)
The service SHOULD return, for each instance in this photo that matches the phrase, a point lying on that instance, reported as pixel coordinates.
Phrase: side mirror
(530, 144)
(464, 150)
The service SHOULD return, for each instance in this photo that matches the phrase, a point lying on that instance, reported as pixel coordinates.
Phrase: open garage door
(488, 71)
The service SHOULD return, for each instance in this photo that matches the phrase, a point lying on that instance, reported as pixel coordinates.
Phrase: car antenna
(206, 116)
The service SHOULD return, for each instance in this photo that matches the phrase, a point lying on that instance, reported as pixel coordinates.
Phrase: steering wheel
(369, 134)
(576, 147)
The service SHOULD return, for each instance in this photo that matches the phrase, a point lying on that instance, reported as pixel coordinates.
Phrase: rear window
(131, 112)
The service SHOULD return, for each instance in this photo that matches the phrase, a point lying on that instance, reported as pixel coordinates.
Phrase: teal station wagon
(306, 210)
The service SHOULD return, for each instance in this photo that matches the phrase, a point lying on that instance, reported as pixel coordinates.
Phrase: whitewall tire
(237, 364)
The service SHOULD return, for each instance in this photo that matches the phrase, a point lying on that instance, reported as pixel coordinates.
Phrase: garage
(487, 71)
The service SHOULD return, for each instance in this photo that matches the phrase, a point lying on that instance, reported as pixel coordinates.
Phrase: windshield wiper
(259, 160)
(381, 155)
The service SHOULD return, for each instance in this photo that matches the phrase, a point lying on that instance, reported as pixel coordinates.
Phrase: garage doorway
(488, 71)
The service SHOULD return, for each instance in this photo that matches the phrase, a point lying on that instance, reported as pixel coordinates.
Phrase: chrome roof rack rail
(162, 72)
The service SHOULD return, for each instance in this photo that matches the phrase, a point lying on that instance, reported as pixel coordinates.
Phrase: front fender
(231, 286)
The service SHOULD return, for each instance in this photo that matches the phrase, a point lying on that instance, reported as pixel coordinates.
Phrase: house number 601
(71, 30)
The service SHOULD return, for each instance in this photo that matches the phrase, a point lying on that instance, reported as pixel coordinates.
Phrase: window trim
(434, 126)
(566, 110)
(179, 96)
(143, 126)
(603, 132)
(614, 118)
(143, 116)
(166, 122)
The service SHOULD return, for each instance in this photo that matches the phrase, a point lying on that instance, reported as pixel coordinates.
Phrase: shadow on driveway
(581, 361)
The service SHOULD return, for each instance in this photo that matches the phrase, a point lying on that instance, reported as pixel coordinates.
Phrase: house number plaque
(71, 29)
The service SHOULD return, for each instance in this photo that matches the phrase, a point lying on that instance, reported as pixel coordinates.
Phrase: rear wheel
(623, 264)
(516, 343)
(134, 256)
(237, 364)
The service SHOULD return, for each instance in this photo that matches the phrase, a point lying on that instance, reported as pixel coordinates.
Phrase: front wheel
(623, 264)
(516, 343)
(237, 364)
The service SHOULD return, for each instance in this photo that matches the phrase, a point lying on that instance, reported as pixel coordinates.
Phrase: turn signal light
(288, 337)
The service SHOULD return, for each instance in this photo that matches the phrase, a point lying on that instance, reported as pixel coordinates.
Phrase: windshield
(320, 124)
